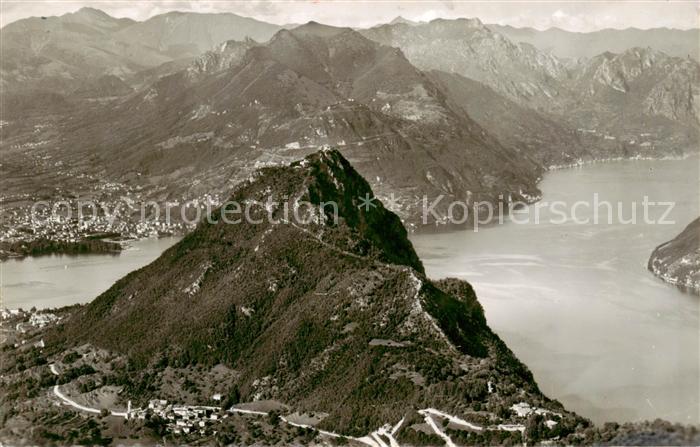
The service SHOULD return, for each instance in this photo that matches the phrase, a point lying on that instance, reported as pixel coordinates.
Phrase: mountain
(640, 102)
(469, 48)
(311, 303)
(305, 318)
(641, 96)
(573, 45)
(678, 261)
(224, 56)
(190, 34)
(458, 111)
(58, 54)
(328, 315)
(52, 54)
(666, 86)
(246, 104)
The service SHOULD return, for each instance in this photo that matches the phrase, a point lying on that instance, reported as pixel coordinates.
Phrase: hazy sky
(573, 16)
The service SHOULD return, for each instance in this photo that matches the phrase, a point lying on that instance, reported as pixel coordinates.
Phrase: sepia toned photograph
(349, 223)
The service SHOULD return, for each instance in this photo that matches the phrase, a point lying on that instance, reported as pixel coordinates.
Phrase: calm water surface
(60, 280)
(576, 303)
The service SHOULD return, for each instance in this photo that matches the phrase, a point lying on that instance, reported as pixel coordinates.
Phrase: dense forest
(40, 247)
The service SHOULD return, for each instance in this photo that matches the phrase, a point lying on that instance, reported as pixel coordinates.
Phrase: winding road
(377, 438)
(66, 400)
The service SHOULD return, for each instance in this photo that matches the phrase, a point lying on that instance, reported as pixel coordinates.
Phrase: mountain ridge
(574, 45)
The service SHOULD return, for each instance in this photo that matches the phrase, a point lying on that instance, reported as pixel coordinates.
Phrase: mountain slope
(546, 140)
(468, 48)
(667, 86)
(678, 260)
(327, 316)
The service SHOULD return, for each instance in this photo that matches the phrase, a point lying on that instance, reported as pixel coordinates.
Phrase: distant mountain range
(59, 53)
(678, 260)
(640, 102)
(448, 107)
(567, 44)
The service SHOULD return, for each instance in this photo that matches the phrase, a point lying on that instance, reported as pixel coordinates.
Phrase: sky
(580, 16)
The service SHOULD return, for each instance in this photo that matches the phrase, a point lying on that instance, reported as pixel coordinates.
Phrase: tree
(232, 398)
(535, 428)
(274, 418)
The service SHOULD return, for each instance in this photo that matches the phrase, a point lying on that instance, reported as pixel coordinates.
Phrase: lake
(576, 303)
(60, 280)
(573, 301)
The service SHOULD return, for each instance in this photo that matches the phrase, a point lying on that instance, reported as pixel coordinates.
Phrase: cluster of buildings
(17, 318)
(115, 211)
(523, 409)
(182, 419)
(6, 314)
(42, 319)
(62, 221)
(36, 318)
